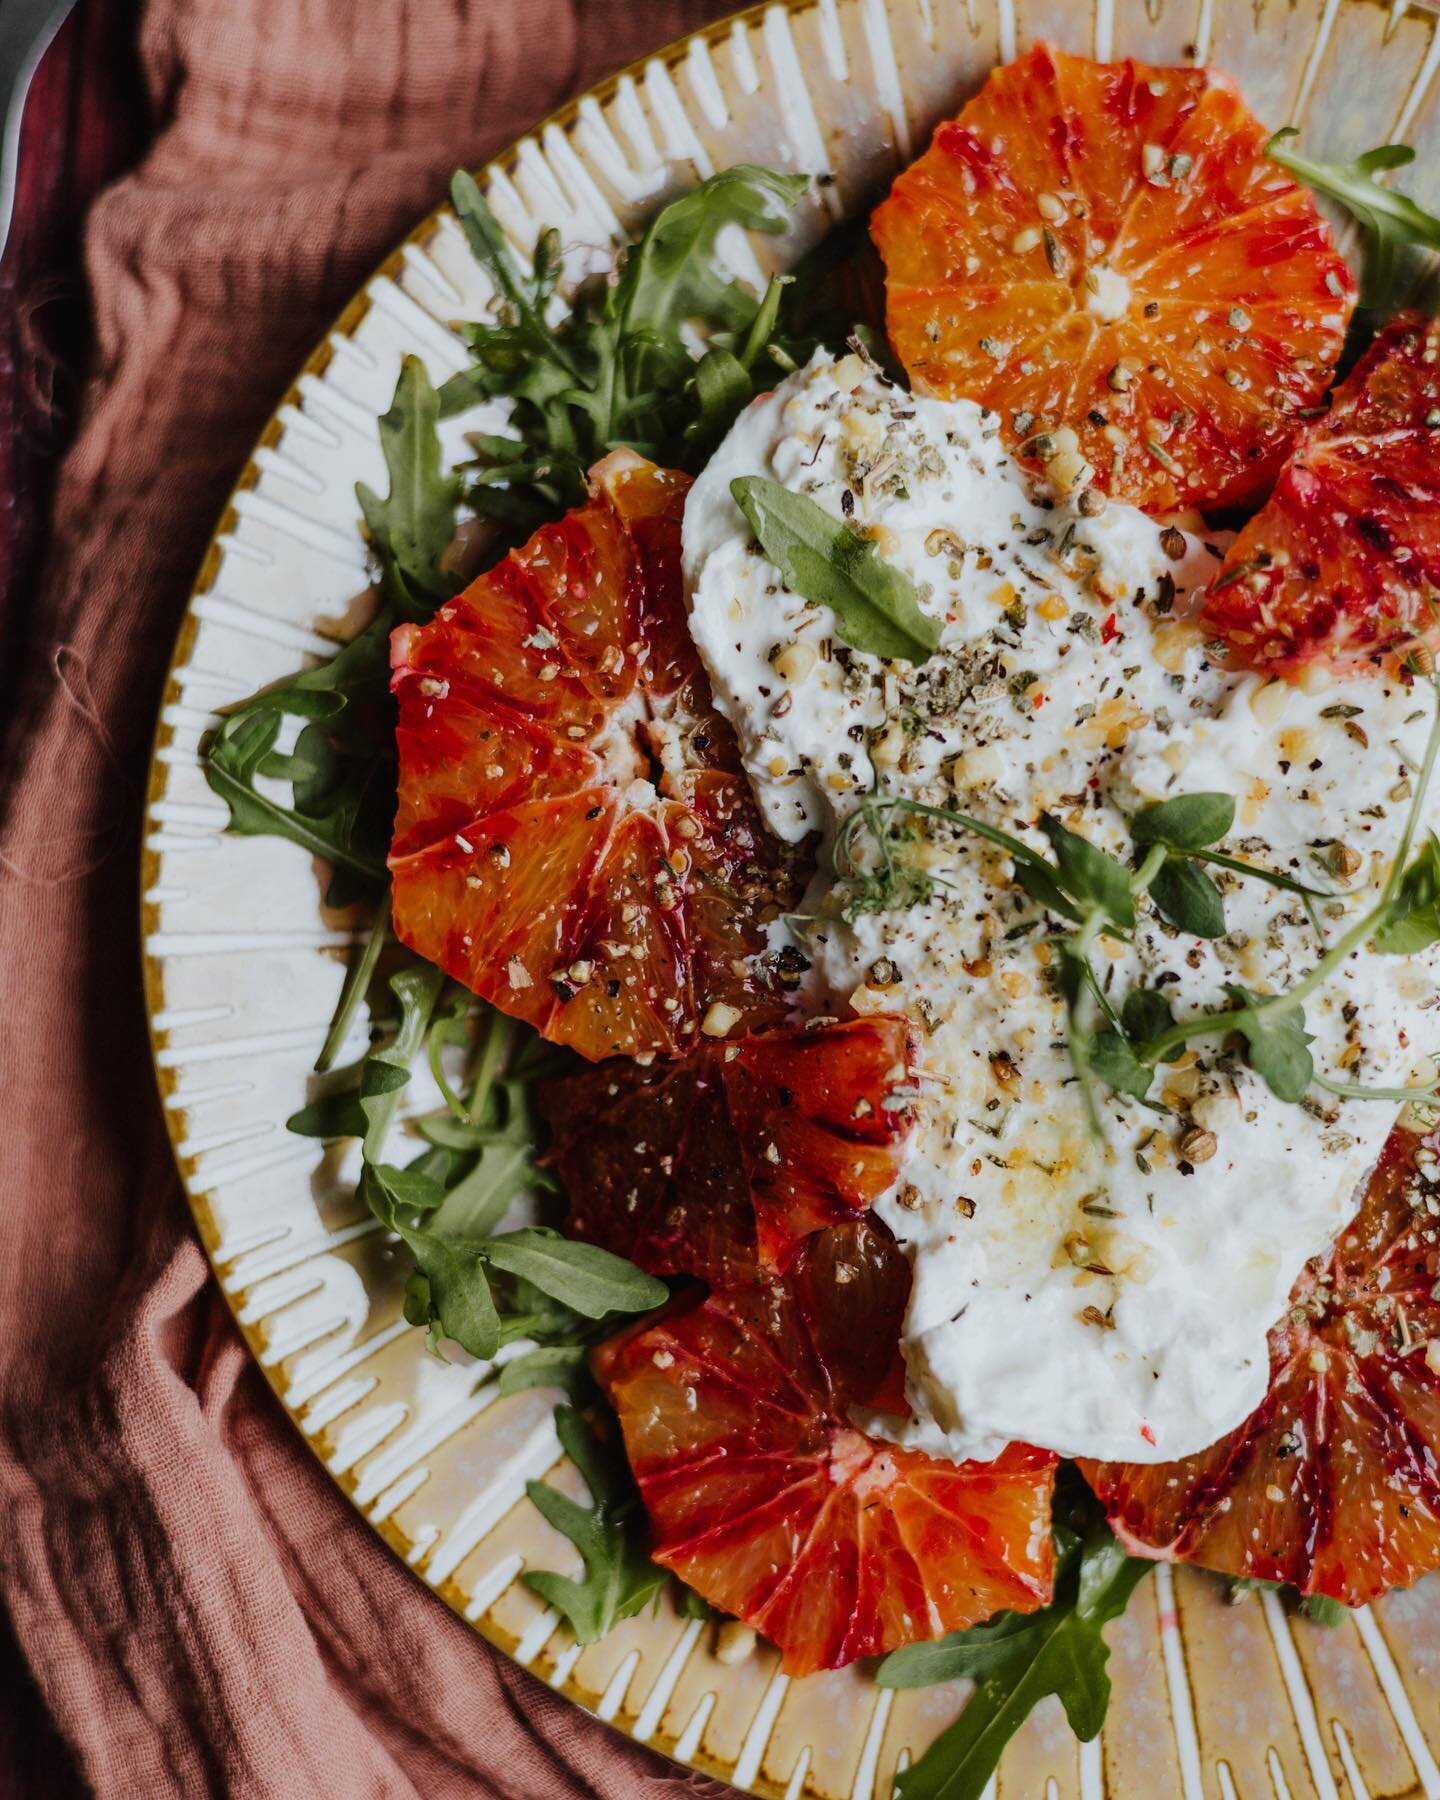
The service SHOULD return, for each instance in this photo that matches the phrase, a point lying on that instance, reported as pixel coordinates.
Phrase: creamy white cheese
(1101, 1299)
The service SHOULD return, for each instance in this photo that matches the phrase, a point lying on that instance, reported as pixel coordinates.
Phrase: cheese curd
(1109, 1296)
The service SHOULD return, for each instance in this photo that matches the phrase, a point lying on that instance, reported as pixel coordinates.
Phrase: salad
(898, 812)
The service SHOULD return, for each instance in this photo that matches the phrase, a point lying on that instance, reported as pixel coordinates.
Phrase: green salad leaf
(1016, 1660)
(341, 764)
(828, 562)
(412, 527)
(619, 366)
(1413, 921)
(1089, 875)
(470, 1284)
(550, 1365)
(619, 1579)
(1393, 221)
(1276, 1043)
(588, 1280)
(1188, 899)
(1188, 822)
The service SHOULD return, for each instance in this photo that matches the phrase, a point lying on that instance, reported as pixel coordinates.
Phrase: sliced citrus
(851, 1286)
(735, 1155)
(766, 1500)
(1333, 1484)
(1343, 561)
(575, 839)
(651, 1169)
(1104, 247)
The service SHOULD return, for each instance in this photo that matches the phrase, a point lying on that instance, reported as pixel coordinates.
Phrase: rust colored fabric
(201, 1612)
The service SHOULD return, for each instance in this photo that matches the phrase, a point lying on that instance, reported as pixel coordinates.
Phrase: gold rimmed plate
(244, 964)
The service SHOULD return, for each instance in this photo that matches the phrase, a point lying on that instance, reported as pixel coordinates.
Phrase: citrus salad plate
(793, 901)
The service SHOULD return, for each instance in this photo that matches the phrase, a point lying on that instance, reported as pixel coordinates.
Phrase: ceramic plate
(244, 965)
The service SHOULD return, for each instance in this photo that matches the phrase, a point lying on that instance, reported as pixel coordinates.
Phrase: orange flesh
(763, 1498)
(574, 839)
(668, 1166)
(1342, 564)
(1104, 246)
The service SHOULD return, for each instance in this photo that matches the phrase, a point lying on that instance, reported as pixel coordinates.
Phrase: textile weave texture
(201, 1610)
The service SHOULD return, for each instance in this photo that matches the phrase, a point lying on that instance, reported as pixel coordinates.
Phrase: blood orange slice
(653, 1172)
(766, 1500)
(730, 1159)
(1104, 247)
(650, 1165)
(1343, 561)
(1334, 1483)
(575, 839)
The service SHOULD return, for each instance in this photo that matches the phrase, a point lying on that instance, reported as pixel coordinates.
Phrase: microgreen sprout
(1093, 894)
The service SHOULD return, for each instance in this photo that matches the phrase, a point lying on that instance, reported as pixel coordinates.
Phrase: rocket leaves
(620, 365)
(328, 732)
(1393, 221)
(619, 1579)
(1016, 1660)
(828, 562)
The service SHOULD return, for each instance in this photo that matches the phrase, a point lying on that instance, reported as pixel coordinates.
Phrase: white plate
(243, 964)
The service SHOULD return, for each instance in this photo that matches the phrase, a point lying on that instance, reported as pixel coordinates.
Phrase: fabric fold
(200, 1609)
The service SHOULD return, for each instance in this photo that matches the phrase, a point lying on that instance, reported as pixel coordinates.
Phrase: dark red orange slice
(1333, 1485)
(1105, 247)
(575, 839)
(1342, 563)
(766, 1500)
(727, 1161)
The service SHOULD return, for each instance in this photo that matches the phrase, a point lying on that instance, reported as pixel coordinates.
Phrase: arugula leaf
(449, 1291)
(585, 1278)
(330, 1117)
(412, 527)
(1276, 1043)
(673, 274)
(502, 1170)
(724, 380)
(826, 561)
(1089, 875)
(1017, 1660)
(550, 1365)
(1322, 1610)
(619, 367)
(691, 1605)
(1188, 899)
(469, 1285)
(1412, 921)
(1188, 822)
(346, 823)
(357, 986)
(619, 1578)
(386, 1069)
(1392, 220)
(526, 301)
(366, 1109)
(341, 766)
(396, 1196)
